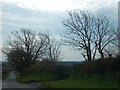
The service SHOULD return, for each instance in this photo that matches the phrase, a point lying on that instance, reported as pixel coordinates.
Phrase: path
(12, 83)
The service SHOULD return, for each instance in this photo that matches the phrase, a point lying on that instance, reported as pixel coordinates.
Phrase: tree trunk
(89, 52)
(89, 55)
(102, 54)
(94, 53)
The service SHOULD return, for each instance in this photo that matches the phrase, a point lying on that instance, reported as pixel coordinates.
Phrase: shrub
(58, 71)
(98, 66)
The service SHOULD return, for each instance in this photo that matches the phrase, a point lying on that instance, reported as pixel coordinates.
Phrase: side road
(12, 83)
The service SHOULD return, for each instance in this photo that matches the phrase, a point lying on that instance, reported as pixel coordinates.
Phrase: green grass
(27, 78)
(81, 83)
(75, 81)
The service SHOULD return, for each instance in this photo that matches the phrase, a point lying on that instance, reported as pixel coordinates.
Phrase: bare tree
(80, 28)
(88, 33)
(53, 48)
(26, 47)
(116, 42)
(111, 50)
(103, 33)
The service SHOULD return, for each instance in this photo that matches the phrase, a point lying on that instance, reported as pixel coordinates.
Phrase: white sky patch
(71, 54)
(62, 5)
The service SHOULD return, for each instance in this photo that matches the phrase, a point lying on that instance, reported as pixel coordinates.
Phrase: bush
(43, 66)
(58, 71)
(107, 70)
(62, 72)
(107, 65)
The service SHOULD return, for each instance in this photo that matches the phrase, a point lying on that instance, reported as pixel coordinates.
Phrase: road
(0, 84)
(12, 83)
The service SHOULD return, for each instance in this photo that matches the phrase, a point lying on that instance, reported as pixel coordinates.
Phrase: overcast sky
(43, 15)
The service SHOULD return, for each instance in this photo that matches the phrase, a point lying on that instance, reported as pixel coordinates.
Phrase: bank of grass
(94, 82)
(75, 81)
(95, 74)
(27, 78)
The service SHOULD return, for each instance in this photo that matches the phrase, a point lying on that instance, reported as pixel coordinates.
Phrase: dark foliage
(107, 69)
(62, 72)
(51, 67)
(25, 47)
(99, 66)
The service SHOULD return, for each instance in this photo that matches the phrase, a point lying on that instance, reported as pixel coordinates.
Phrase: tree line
(27, 47)
(85, 31)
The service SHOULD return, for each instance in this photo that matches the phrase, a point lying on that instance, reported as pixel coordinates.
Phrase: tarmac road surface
(12, 83)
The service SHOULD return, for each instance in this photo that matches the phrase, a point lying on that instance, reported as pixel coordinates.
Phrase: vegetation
(95, 74)
(91, 75)
(80, 83)
(27, 78)
(5, 75)
(35, 55)
(26, 47)
(88, 33)
(6, 69)
(39, 72)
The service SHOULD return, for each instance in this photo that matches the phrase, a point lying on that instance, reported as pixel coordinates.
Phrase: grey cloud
(112, 13)
(15, 17)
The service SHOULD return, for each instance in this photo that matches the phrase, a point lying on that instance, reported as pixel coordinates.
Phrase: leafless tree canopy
(27, 47)
(88, 33)
(104, 33)
(116, 42)
(80, 28)
(53, 51)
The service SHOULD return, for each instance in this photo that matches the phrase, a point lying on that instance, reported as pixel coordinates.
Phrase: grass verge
(81, 83)
(27, 78)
